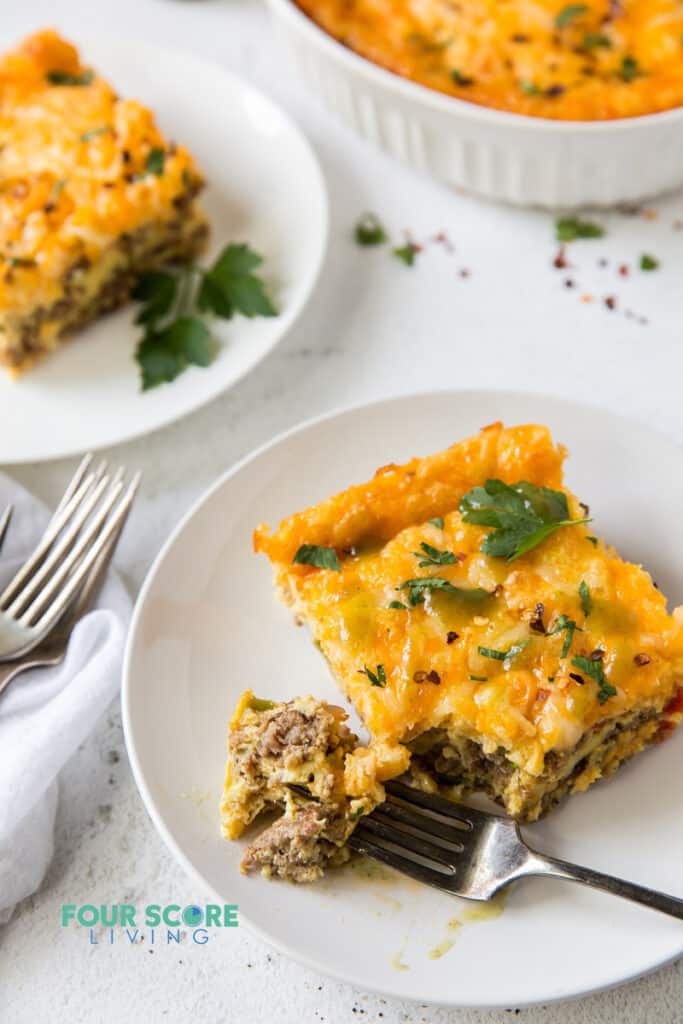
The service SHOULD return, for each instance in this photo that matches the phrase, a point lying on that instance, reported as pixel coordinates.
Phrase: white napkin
(45, 714)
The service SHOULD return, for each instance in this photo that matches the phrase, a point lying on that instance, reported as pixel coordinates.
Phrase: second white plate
(207, 625)
(265, 188)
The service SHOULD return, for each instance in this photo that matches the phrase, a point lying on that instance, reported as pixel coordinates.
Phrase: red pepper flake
(577, 678)
(464, 272)
(610, 301)
(434, 677)
(624, 270)
(560, 261)
(642, 659)
(537, 622)
(597, 655)
(542, 694)
(419, 677)
(452, 636)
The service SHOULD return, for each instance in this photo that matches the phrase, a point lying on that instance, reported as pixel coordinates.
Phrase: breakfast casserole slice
(468, 612)
(91, 195)
(299, 757)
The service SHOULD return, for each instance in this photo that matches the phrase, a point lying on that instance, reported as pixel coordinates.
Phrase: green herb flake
(595, 670)
(593, 541)
(629, 70)
(406, 253)
(377, 678)
(568, 14)
(461, 79)
(95, 132)
(358, 813)
(522, 516)
(595, 41)
(370, 231)
(648, 262)
(569, 627)
(530, 88)
(398, 605)
(490, 652)
(321, 557)
(568, 229)
(257, 704)
(155, 162)
(59, 77)
(479, 679)
(432, 556)
(586, 599)
(436, 521)
(417, 588)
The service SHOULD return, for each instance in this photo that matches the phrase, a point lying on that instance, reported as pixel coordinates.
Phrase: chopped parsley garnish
(406, 253)
(313, 554)
(437, 521)
(461, 79)
(593, 540)
(479, 679)
(629, 69)
(156, 159)
(595, 40)
(377, 678)
(20, 261)
(370, 231)
(568, 229)
(595, 670)
(94, 132)
(398, 605)
(258, 704)
(648, 262)
(530, 88)
(432, 556)
(564, 623)
(586, 599)
(491, 652)
(58, 77)
(417, 589)
(569, 14)
(359, 811)
(522, 516)
(176, 302)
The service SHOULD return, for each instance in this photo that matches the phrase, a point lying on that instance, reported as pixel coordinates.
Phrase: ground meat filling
(293, 736)
(299, 848)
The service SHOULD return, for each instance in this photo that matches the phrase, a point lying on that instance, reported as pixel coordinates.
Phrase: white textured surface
(373, 328)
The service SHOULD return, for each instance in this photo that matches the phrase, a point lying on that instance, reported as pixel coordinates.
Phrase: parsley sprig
(176, 302)
(568, 14)
(522, 516)
(377, 678)
(568, 229)
(569, 627)
(432, 556)
(58, 77)
(314, 554)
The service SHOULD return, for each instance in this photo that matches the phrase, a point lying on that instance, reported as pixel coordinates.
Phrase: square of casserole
(526, 678)
(91, 195)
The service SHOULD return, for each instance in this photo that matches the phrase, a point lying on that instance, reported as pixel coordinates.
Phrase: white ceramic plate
(265, 187)
(207, 625)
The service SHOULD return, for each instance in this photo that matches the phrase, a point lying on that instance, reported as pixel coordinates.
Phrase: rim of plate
(436, 100)
(329, 970)
(290, 316)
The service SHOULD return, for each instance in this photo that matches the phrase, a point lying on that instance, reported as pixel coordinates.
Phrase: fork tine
(78, 551)
(405, 840)
(113, 524)
(439, 830)
(59, 550)
(360, 842)
(467, 816)
(74, 483)
(4, 522)
(54, 527)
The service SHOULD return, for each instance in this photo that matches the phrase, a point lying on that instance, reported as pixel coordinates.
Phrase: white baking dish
(508, 157)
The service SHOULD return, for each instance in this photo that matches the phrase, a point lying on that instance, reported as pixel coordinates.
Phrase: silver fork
(90, 513)
(470, 853)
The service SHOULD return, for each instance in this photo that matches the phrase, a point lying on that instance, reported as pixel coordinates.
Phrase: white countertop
(374, 328)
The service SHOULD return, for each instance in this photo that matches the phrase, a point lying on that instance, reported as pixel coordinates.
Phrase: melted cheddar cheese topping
(438, 669)
(544, 58)
(79, 169)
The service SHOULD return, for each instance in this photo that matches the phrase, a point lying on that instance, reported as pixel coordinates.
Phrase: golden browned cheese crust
(543, 58)
(487, 661)
(91, 194)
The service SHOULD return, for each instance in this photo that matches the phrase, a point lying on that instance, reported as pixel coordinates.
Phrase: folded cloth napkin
(46, 713)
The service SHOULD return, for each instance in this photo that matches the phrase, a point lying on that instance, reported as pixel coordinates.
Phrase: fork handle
(550, 866)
